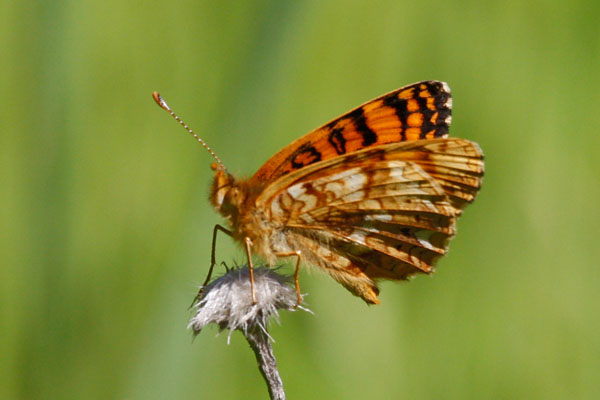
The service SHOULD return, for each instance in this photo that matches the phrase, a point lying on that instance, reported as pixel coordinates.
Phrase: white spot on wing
(379, 217)
(356, 196)
(424, 238)
(344, 182)
(429, 205)
(335, 187)
(276, 207)
(357, 236)
(357, 181)
(397, 173)
(448, 102)
(310, 202)
(446, 87)
(342, 175)
(296, 190)
(307, 218)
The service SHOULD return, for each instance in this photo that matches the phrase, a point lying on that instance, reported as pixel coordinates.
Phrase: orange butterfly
(373, 194)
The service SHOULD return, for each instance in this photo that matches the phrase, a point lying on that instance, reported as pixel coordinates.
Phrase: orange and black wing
(380, 213)
(418, 111)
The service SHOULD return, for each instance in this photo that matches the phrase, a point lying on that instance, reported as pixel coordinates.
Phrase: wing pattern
(418, 111)
(386, 212)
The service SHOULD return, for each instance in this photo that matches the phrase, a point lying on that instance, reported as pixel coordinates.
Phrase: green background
(106, 224)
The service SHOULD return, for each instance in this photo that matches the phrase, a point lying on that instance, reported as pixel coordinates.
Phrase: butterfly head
(227, 196)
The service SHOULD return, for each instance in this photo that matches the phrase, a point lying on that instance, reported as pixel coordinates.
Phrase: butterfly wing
(418, 111)
(386, 212)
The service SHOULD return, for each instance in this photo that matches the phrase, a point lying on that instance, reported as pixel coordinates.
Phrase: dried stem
(227, 302)
(263, 350)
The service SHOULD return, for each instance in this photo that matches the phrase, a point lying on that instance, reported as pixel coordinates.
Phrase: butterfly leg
(213, 250)
(212, 259)
(248, 244)
(298, 254)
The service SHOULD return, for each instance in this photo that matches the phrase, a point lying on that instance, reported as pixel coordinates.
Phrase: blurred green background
(106, 224)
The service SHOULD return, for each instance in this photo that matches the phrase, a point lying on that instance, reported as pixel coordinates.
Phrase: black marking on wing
(305, 155)
(401, 111)
(358, 117)
(441, 97)
(337, 140)
(427, 125)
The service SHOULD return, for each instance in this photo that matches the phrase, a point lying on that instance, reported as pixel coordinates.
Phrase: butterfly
(374, 194)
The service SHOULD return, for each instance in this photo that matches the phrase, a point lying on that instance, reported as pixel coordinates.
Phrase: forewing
(415, 112)
(386, 212)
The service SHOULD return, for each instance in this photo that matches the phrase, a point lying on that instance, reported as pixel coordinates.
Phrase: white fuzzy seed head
(227, 301)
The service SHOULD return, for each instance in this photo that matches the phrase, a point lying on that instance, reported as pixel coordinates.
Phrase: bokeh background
(105, 223)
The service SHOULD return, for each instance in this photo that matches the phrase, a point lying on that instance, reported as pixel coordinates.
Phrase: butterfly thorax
(235, 200)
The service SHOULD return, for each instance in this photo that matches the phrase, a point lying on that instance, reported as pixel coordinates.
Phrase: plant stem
(261, 345)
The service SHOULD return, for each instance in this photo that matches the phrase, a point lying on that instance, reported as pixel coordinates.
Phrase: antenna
(163, 104)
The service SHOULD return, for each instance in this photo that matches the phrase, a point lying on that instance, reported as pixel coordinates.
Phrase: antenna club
(159, 100)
